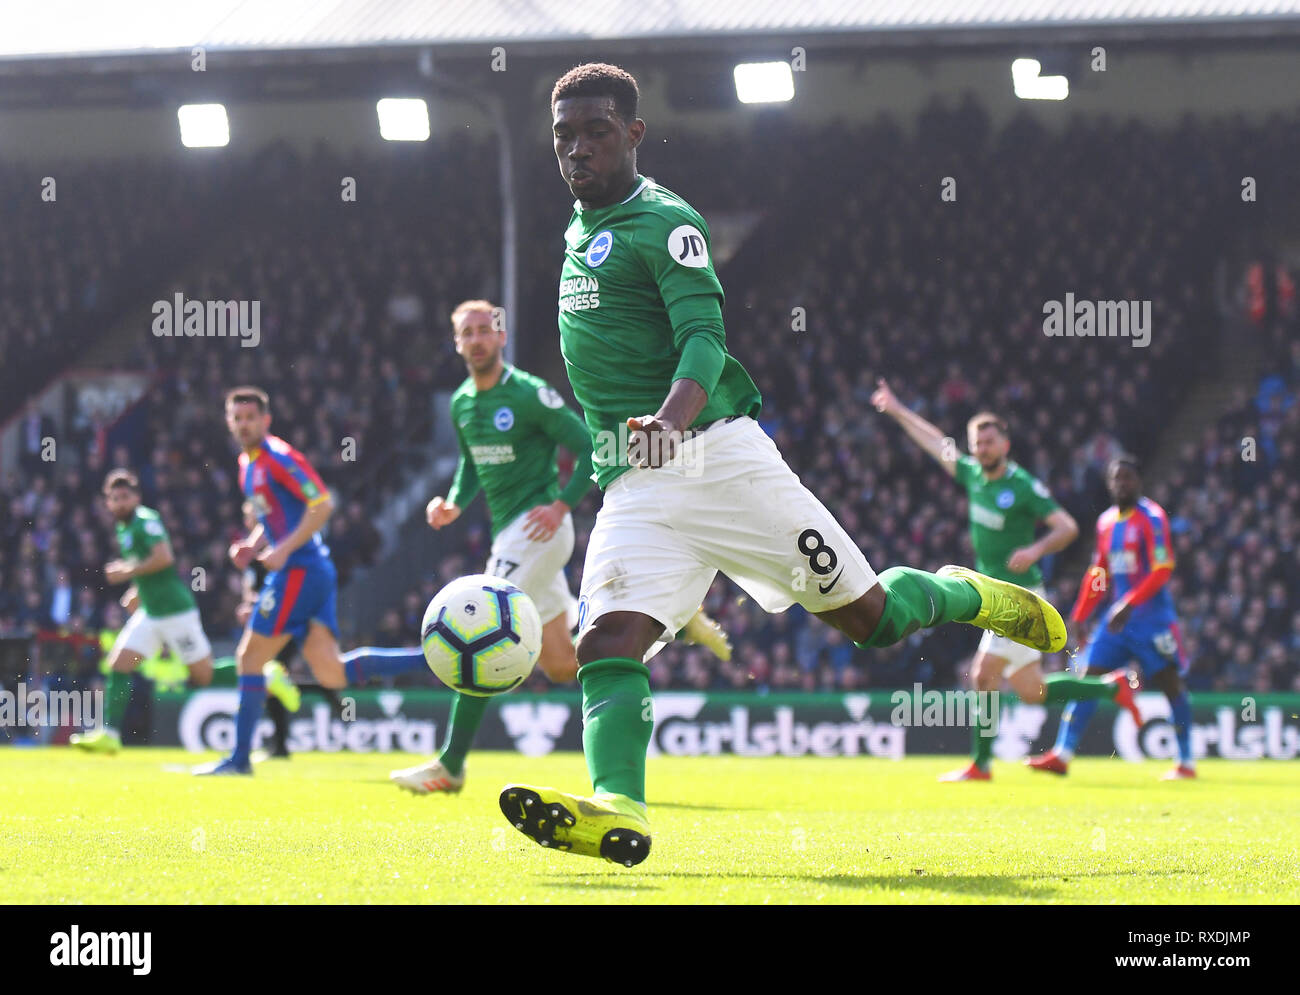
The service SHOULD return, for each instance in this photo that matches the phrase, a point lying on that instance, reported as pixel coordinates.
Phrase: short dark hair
(249, 395)
(1126, 459)
(121, 477)
(599, 79)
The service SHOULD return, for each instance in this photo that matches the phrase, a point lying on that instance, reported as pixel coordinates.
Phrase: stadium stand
(943, 298)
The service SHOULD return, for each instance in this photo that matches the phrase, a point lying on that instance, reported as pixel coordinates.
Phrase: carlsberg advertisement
(885, 724)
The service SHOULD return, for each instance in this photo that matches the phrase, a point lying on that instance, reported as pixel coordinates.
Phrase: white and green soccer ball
(481, 635)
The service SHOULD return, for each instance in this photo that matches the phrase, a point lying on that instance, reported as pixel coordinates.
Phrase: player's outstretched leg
(617, 722)
(907, 599)
(1012, 611)
(368, 662)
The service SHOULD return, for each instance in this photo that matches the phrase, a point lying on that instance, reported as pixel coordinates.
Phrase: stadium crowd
(338, 315)
(849, 276)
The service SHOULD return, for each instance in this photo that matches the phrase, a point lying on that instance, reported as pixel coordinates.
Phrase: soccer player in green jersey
(694, 488)
(508, 424)
(1007, 503)
(163, 612)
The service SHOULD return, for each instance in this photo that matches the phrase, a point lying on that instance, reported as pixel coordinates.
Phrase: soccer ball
(481, 635)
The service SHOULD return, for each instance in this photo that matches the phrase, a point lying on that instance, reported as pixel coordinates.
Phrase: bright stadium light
(204, 126)
(403, 119)
(764, 82)
(1030, 86)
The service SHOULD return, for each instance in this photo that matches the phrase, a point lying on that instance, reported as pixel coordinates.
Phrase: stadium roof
(94, 28)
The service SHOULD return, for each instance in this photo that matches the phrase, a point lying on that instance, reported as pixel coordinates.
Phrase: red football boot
(1049, 762)
(1126, 681)
(971, 773)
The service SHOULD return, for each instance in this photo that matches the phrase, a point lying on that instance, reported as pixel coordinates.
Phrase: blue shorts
(296, 596)
(1154, 646)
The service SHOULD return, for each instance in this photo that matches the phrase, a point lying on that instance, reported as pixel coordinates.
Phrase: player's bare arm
(159, 558)
(1062, 530)
(313, 520)
(920, 431)
(439, 512)
(242, 553)
(542, 522)
(653, 439)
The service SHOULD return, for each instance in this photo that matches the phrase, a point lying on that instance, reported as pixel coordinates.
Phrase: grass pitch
(329, 828)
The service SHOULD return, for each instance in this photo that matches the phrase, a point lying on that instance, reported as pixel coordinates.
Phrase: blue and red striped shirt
(1131, 547)
(282, 485)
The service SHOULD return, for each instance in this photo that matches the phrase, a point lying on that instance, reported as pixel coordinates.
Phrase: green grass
(330, 828)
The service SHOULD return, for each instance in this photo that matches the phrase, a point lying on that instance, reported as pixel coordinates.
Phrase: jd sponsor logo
(91, 949)
(679, 732)
(207, 722)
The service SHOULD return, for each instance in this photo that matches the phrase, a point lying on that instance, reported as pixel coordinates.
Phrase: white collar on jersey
(645, 181)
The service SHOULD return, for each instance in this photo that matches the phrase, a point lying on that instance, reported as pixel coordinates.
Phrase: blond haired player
(1007, 503)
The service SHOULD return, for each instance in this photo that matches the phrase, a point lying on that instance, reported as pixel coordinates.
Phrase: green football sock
(117, 694)
(616, 724)
(1066, 687)
(915, 600)
(225, 673)
(981, 740)
(467, 713)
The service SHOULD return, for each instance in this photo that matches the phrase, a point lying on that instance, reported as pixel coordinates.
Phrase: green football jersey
(162, 593)
(508, 436)
(1003, 516)
(637, 283)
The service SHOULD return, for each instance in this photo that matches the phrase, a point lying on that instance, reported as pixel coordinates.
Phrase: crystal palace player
(696, 487)
(1129, 573)
(508, 424)
(298, 597)
(1006, 504)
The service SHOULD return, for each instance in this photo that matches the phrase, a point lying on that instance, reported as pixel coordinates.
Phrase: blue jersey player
(1129, 575)
(298, 599)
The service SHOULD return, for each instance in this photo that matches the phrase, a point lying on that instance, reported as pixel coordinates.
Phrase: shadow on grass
(694, 807)
(1026, 886)
(610, 881)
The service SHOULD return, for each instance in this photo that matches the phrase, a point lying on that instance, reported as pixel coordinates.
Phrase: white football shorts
(181, 633)
(537, 568)
(727, 502)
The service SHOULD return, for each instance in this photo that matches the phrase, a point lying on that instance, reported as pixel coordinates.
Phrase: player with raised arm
(1130, 570)
(508, 424)
(163, 612)
(1007, 503)
(299, 595)
(694, 488)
